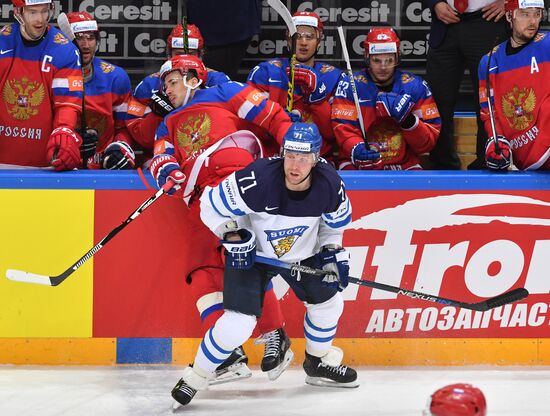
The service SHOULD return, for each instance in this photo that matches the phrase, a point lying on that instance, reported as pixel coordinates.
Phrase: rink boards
(465, 236)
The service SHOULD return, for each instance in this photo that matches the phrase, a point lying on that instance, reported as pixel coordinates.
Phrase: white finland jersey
(290, 226)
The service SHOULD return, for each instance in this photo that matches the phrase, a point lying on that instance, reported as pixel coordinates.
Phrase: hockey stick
(26, 277)
(352, 83)
(65, 27)
(280, 8)
(490, 105)
(184, 27)
(499, 300)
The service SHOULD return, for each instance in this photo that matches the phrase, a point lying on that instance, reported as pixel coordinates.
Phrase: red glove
(63, 149)
(500, 159)
(166, 167)
(305, 77)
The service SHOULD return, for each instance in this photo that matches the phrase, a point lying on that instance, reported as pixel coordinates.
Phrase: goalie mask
(457, 400)
(194, 38)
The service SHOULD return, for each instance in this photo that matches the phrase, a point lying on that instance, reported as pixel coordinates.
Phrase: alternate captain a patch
(283, 240)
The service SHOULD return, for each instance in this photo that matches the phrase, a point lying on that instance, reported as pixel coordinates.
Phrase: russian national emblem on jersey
(326, 68)
(6, 30)
(276, 62)
(194, 132)
(406, 78)
(106, 67)
(59, 38)
(23, 97)
(387, 135)
(518, 106)
(283, 240)
(361, 78)
(96, 121)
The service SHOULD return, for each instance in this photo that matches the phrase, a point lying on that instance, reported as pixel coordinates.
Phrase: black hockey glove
(89, 142)
(160, 104)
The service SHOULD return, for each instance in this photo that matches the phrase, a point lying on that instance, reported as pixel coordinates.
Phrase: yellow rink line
(384, 352)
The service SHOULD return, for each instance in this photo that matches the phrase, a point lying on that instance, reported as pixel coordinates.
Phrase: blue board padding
(354, 180)
(144, 350)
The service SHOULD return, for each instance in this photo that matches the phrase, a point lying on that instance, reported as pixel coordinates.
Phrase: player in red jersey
(107, 90)
(517, 71)
(400, 117)
(198, 144)
(41, 85)
(149, 104)
(315, 82)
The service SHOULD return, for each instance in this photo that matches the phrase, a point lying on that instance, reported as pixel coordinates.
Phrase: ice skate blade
(176, 406)
(325, 382)
(232, 373)
(277, 371)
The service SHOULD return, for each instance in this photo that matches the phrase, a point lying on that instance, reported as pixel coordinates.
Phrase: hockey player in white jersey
(293, 208)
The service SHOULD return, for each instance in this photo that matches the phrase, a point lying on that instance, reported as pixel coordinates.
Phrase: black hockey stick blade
(26, 277)
(504, 298)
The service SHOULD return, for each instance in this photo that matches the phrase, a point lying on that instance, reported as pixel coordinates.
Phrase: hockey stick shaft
(26, 277)
(352, 82)
(65, 27)
(281, 9)
(502, 299)
(490, 104)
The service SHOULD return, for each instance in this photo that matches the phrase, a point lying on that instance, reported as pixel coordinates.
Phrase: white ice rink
(137, 391)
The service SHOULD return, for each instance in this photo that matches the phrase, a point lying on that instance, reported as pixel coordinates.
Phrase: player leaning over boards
(294, 208)
(107, 90)
(400, 116)
(149, 104)
(41, 84)
(518, 75)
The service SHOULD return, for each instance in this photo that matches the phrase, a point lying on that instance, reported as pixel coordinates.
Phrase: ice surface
(145, 390)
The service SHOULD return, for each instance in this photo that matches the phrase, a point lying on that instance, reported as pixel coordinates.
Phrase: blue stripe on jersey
(208, 355)
(210, 310)
(226, 204)
(318, 339)
(220, 349)
(210, 194)
(339, 224)
(255, 110)
(316, 327)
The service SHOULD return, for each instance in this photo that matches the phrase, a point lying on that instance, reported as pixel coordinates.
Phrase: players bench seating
(465, 139)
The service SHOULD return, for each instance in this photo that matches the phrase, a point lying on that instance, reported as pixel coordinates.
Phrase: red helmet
(458, 400)
(184, 64)
(381, 40)
(23, 3)
(175, 39)
(82, 22)
(511, 5)
(308, 19)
